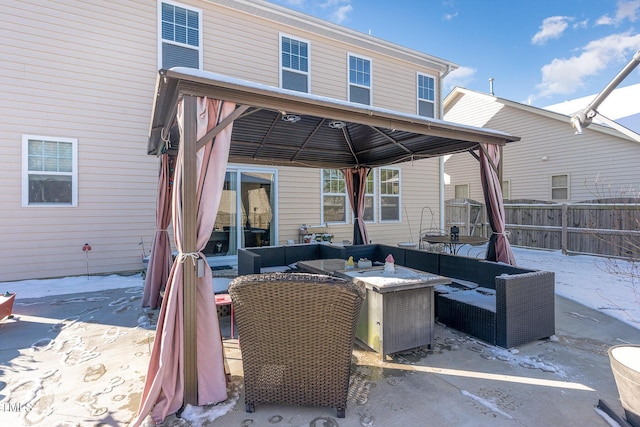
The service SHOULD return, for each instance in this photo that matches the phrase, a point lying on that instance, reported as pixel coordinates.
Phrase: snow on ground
(582, 278)
(38, 288)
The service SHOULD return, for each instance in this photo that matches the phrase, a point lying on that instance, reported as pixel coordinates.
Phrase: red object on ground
(6, 305)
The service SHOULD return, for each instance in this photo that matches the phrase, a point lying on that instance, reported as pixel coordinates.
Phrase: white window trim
(374, 174)
(25, 171)
(370, 87)
(280, 67)
(508, 195)
(435, 93)
(468, 185)
(240, 168)
(347, 207)
(551, 187)
(380, 196)
(161, 40)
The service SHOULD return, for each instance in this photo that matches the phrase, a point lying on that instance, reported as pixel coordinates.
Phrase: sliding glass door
(246, 216)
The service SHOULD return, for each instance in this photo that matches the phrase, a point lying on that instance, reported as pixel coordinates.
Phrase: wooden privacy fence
(468, 215)
(611, 228)
(608, 227)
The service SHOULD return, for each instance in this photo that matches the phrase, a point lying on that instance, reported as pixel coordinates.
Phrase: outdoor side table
(398, 313)
(455, 245)
(222, 300)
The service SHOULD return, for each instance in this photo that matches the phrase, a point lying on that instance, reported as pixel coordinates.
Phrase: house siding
(79, 70)
(599, 163)
(87, 70)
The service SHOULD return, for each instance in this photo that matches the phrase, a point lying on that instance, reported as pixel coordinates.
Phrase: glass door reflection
(245, 216)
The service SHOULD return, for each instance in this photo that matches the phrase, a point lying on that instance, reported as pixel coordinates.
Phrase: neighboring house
(78, 85)
(550, 162)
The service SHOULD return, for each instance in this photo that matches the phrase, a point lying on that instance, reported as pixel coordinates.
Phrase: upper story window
(334, 196)
(560, 187)
(389, 194)
(461, 191)
(506, 190)
(180, 35)
(426, 95)
(49, 171)
(294, 63)
(359, 80)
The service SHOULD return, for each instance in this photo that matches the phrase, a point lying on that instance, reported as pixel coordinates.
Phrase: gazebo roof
(281, 127)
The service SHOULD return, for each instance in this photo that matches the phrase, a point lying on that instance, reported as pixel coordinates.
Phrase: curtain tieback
(182, 256)
(506, 233)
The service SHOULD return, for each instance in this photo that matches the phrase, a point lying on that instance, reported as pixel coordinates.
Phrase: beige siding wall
(420, 188)
(394, 81)
(81, 70)
(87, 70)
(598, 164)
(299, 201)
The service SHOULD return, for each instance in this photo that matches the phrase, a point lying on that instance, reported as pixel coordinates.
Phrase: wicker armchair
(296, 334)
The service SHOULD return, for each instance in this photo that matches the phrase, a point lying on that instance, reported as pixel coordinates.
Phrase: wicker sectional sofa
(498, 303)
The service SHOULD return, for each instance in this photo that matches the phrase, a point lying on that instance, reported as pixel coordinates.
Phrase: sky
(538, 52)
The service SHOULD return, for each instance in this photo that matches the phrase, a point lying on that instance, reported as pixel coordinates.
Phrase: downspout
(441, 158)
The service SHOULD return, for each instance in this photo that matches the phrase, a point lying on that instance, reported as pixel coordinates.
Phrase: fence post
(565, 234)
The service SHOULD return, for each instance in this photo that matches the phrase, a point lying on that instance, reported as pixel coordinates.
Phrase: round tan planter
(625, 364)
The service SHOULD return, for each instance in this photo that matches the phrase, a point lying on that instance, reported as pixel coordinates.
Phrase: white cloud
(565, 76)
(627, 9)
(551, 28)
(459, 77)
(337, 11)
(341, 14)
(450, 16)
(604, 20)
(581, 24)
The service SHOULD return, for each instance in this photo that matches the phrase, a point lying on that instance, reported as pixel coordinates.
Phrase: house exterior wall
(87, 70)
(78, 70)
(600, 163)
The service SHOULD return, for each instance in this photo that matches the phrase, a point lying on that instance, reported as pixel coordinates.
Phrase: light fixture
(337, 124)
(291, 118)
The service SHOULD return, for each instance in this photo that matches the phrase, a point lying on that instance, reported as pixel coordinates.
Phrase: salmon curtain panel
(160, 258)
(356, 182)
(499, 248)
(164, 389)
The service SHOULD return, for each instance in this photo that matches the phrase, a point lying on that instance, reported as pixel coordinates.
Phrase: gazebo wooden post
(189, 213)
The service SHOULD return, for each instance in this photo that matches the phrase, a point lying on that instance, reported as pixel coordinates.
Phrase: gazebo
(206, 120)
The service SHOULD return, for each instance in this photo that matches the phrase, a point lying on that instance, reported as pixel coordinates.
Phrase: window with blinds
(181, 36)
(294, 64)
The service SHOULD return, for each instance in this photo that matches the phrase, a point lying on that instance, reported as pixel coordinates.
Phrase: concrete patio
(81, 359)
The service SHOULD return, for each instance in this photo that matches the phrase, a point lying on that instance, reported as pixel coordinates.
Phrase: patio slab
(81, 360)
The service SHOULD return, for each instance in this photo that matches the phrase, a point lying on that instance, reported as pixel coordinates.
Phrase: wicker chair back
(296, 333)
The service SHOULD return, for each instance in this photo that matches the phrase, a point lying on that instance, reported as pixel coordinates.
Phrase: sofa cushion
(455, 286)
(270, 255)
(480, 297)
(302, 252)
